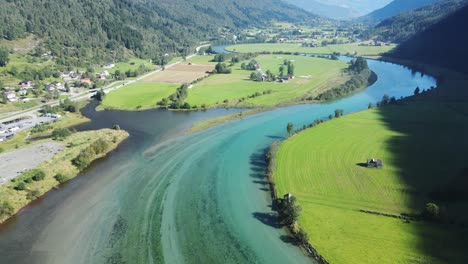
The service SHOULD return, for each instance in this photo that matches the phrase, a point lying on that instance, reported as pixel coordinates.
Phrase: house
(23, 92)
(50, 87)
(10, 96)
(101, 76)
(85, 80)
(258, 66)
(26, 84)
(261, 77)
(109, 66)
(286, 77)
(374, 163)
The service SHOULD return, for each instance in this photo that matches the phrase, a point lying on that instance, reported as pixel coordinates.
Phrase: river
(164, 196)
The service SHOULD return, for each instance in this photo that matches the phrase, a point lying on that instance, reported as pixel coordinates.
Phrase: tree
(281, 70)
(431, 211)
(61, 133)
(4, 56)
(290, 68)
(417, 91)
(116, 127)
(290, 128)
(385, 99)
(290, 211)
(339, 112)
(370, 106)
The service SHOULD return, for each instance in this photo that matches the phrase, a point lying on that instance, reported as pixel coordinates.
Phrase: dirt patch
(181, 73)
(16, 162)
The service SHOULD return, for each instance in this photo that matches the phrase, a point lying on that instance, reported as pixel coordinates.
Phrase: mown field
(139, 95)
(422, 146)
(296, 47)
(312, 75)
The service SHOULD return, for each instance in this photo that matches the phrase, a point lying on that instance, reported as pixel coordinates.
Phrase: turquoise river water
(167, 197)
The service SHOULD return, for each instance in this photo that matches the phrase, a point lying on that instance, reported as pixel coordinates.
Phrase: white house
(11, 96)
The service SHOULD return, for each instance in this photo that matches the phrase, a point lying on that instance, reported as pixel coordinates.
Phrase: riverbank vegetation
(347, 207)
(64, 166)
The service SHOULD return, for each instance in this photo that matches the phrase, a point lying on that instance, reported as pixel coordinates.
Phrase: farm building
(374, 163)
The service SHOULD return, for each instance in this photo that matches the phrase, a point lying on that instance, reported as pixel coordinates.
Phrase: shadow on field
(362, 164)
(429, 154)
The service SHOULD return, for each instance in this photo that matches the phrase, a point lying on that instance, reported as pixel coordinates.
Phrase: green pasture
(296, 47)
(138, 95)
(311, 73)
(421, 146)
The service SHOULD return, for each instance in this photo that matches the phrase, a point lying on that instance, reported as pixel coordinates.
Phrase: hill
(401, 27)
(82, 31)
(325, 10)
(396, 7)
(442, 44)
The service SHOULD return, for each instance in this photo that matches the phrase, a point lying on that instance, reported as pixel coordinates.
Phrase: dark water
(168, 197)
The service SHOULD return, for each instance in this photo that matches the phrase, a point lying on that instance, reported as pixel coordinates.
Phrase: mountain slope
(403, 26)
(81, 31)
(442, 44)
(396, 7)
(325, 10)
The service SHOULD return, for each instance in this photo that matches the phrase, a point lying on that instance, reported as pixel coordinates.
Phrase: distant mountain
(79, 32)
(339, 9)
(405, 25)
(330, 11)
(396, 7)
(442, 44)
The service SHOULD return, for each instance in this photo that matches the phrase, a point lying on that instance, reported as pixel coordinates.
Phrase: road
(86, 95)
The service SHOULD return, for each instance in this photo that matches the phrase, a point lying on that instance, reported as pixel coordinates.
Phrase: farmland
(296, 47)
(139, 95)
(419, 144)
(181, 73)
(312, 75)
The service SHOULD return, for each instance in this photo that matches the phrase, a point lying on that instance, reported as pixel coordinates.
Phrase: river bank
(28, 186)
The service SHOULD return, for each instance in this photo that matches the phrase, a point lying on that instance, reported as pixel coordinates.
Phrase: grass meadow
(312, 75)
(296, 47)
(420, 145)
(139, 95)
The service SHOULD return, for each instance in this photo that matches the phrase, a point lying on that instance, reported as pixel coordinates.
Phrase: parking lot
(10, 128)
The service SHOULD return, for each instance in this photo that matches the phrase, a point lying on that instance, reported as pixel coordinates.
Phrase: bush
(33, 195)
(60, 178)
(20, 187)
(431, 211)
(84, 158)
(302, 236)
(60, 133)
(6, 209)
(38, 175)
(116, 127)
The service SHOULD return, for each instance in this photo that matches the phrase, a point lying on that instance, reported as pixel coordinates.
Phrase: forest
(81, 32)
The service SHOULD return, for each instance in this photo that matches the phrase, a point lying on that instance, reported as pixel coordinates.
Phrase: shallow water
(168, 197)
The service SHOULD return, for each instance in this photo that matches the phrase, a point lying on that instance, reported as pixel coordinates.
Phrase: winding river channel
(167, 197)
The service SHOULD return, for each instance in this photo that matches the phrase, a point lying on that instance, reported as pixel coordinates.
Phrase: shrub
(431, 211)
(84, 158)
(38, 175)
(6, 209)
(116, 127)
(28, 180)
(60, 133)
(20, 187)
(60, 178)
(302, 236)
(33, 195)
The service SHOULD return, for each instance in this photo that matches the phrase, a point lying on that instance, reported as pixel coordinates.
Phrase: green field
(312, 75)
(421, 146)
(293, 47)
(138, 95)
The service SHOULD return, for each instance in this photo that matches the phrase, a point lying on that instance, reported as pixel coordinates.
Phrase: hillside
(80, 31)
(339, 9)
(442, 44)
(396, 7)
(325, 10)
(403, 26)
